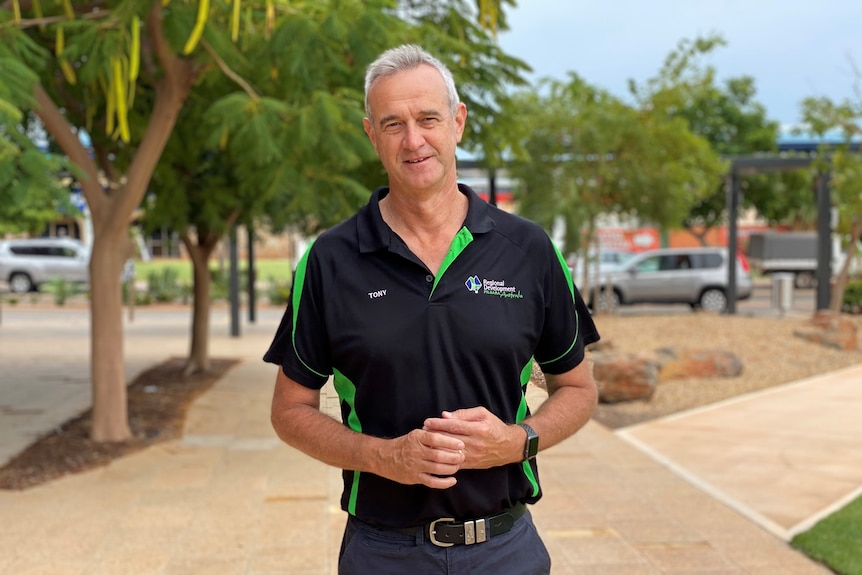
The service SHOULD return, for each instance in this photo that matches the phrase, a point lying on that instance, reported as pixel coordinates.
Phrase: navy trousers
(366, 549)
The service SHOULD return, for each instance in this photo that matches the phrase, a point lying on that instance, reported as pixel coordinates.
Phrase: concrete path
(229, 498)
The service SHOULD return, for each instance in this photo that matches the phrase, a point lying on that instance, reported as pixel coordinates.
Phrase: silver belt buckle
(474, 532)
(433, 534)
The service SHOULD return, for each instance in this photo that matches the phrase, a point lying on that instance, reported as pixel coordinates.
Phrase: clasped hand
(471, 438)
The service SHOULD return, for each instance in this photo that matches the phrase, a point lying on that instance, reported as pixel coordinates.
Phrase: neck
(426, 226)
(423, 216)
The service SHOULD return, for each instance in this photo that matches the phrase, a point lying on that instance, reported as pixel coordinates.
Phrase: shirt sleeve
(300, 345)
(568, 325)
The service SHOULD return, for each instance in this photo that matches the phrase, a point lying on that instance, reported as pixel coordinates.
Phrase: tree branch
(32, 22)
(228, 72)
(58, 126)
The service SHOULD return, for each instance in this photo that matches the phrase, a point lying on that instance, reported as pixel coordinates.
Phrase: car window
(650, 264)
(707, 260)
(63, 251)
(675, 262)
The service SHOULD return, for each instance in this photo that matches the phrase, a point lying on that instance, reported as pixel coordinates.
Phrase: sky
(793, 49)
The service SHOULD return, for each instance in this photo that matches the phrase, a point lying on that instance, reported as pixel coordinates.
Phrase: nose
(413, 138)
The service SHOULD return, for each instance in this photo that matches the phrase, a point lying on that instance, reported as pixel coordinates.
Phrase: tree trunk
(199, 359)
(837, 297)
(701, 236)
(110, 409)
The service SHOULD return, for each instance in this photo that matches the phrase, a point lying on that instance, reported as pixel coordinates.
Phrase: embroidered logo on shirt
(473, 284)
(493, 287)
(376, 294)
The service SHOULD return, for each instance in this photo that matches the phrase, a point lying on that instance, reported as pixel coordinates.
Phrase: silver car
(695, 276)
(27, 263)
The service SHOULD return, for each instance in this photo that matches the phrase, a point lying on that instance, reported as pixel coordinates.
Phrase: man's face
(413, 131)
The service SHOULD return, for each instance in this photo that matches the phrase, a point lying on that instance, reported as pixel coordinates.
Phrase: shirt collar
(374, 234)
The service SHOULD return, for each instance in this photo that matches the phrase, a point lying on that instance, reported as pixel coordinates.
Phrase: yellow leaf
(198, 30)
(67, 8)
(234, 20)
(135, 49)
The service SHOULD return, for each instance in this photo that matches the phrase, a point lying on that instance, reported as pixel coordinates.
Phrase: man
(428, 306)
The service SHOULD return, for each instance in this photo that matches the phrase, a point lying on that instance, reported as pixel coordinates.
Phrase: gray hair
(408, 57)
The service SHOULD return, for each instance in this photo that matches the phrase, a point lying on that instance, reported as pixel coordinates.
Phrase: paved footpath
(229, 498)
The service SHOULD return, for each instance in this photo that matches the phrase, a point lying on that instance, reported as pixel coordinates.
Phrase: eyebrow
(386, 119)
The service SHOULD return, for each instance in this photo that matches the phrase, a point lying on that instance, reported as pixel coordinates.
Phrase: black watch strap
(531, 445)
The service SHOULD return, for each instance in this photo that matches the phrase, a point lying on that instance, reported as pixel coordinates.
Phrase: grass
(836, 541)
(265, 269)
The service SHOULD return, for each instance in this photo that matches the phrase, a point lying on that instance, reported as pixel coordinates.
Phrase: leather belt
(446, 532)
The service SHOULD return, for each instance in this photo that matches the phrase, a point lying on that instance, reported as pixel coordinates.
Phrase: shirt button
(429, 278)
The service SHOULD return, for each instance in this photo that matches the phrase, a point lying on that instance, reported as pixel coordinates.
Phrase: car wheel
(20, 283)
(714, 300)
(609, 299)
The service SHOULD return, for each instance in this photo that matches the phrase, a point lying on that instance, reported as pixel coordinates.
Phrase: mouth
(416, 161)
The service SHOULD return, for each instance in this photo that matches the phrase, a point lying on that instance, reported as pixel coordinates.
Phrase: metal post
(252, 302)
(733, 191)
(233, 285)
(824, 240)
(492, 186)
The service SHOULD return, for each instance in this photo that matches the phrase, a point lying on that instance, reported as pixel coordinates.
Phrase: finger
(467, 414)
(452, 427)
(434, 439)
(450, 457)
(435, 482)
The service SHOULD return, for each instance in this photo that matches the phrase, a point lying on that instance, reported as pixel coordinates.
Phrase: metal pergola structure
(801, 156)
(741, 166)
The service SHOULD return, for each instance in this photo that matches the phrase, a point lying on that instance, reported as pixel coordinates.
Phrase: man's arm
(572, 398)
(420, 457)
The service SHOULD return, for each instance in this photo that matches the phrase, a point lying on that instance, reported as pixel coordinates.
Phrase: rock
(624, 376)
(602, 345)
(537, 378)
(700, 363)
(830, 329)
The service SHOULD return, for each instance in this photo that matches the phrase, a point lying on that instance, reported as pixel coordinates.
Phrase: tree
(31, 193)
(729, 117)
(592, 154)
(823, 116)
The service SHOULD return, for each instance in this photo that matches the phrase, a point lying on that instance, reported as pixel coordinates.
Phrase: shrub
(853, 297)
(278, 291)
(164, 286)
(220, 288)
(61, 289)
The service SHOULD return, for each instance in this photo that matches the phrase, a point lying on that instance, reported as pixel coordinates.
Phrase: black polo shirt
(404, 345)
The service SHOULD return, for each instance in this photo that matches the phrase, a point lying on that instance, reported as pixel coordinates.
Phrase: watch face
(531, 445)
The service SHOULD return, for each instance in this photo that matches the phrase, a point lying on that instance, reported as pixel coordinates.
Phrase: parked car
(28, 263)
(695, 276)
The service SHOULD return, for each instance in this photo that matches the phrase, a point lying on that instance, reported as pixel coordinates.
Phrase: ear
(369, 131)
(460, 121)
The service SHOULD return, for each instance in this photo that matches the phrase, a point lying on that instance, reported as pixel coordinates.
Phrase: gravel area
(770, 352)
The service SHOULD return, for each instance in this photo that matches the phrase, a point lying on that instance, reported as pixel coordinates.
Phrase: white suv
(27, 263)
(695, 276)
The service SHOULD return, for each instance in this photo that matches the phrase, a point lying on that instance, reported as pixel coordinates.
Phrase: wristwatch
(531, 445)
